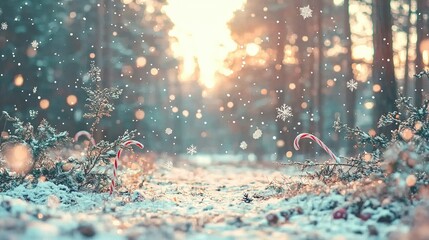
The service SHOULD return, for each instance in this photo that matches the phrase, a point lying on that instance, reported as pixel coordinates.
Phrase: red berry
(272, 219)
(365, 216)
(340, 214)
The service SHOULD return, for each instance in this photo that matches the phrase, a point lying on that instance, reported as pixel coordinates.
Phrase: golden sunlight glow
(338, 2)
(424, 49)
(203, 37)
(252, 49)
(425, 55)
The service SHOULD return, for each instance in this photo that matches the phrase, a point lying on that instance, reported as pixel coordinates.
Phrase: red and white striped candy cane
(86, 134)
(318, 141)
(115, 164)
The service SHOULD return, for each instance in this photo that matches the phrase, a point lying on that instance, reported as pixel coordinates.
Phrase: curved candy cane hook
(115, 164)
(318, 141)
(86, 134)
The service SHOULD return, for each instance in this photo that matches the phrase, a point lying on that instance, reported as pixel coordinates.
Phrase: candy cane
(86, 134)
(318, 141)
(115, 164)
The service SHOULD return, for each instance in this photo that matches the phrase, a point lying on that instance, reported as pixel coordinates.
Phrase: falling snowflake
(192, 150)
(257, 134)
(34, 89)
(306, 12)
(284, 112)
(352, 85)
(35, 44)
(33, 114)
(243, 145)
(3, 26)
(168, 131)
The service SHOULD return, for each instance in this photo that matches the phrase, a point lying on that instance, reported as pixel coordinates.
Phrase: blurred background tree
(278, 57)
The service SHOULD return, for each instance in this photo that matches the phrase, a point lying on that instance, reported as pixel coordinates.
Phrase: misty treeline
(303, 63)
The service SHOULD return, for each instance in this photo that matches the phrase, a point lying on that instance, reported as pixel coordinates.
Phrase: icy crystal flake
(352, 85)
(3, 26)
(284, 112)
(35, 44)
(306, 12)
(192, 150)
(168, 131)
(243, 145)
(257, 134)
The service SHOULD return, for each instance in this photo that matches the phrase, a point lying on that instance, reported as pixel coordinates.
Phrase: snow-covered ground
(190, 201)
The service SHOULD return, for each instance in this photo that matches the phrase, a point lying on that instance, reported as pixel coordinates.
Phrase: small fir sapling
(40, 141)
(77, 174)
(400, 160)
(99, 104)
(100, 100)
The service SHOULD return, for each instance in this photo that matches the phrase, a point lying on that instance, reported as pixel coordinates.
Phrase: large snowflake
(306, 12)
(352, 85)
(168, 131)
(192, 150)
(3, 26)
(35, 44)
(257, 134)
(243, 145)
(284, 112)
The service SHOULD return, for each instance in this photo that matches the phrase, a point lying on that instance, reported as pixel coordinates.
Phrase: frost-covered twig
(422, 73)
(100, 100)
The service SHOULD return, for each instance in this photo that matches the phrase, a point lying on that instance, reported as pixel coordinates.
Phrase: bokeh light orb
(71, 100)
(376, 88)
(44, 104)
(18, 158)
(19, 80)
(407, 134)
(141, 62)
(139, 114)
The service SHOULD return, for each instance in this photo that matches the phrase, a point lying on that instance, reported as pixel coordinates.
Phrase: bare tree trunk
(100, 34)
(350, 95)
(383, 70)
(98, 135)
(107, 61)
(178, 122)
(422, 30)
(407, 49)
(279, 78)
(320, 80)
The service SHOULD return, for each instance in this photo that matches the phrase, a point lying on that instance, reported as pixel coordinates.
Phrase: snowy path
(192, 202)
